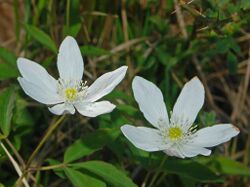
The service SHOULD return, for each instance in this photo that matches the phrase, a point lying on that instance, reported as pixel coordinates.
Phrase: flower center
(174, 133)
(72, 91)
(70, 94)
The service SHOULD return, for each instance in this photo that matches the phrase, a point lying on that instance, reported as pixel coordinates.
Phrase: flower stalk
(44, 139)
(15, 165)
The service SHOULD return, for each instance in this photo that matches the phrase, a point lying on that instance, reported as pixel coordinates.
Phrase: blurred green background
(165, 41)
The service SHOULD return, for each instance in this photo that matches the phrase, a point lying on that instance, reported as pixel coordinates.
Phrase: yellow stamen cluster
(174, 133)
(71, 94)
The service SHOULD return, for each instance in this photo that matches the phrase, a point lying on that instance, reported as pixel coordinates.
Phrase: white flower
(177, 136)
(69, 92)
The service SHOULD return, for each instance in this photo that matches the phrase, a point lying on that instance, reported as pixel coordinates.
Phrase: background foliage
(165, 41)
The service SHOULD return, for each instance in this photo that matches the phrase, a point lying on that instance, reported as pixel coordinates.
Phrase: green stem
(15, 165)
(45, 168)
(18, 156)
(157, 173)
(162, 177)
(145, 181)
(45, 138)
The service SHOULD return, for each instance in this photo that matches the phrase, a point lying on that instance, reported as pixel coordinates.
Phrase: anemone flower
(69, 92)
(177, 136)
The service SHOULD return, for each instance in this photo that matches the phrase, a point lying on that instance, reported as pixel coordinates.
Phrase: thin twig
(183, 5)
(120, 48)
(19, 158)
(243, 88)
(126, 37)
(180, 19)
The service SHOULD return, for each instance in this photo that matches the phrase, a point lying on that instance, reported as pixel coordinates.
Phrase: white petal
(189, 150)
(36, 74)
(186, 150)
(70, 62)
(215, 135)
(144, 138)
(105, 84)
(151, 102)
(39, 93)
(174, 152)
(94, 109)
(62, 108)
(189, 101)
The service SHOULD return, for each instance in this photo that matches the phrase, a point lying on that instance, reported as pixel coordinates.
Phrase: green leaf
(73, 30)
(7, 56)
(231, 167)
(232, 63)
(22, 117)
(7, 101)
(106, 171)
(90, 143)
(226, 166)
(198, 172)
(130, 110)
(223, 45)
(159, 23)
(7, 71)
(245, 4)
(79, 179)
(89, 50)
(41, 37)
